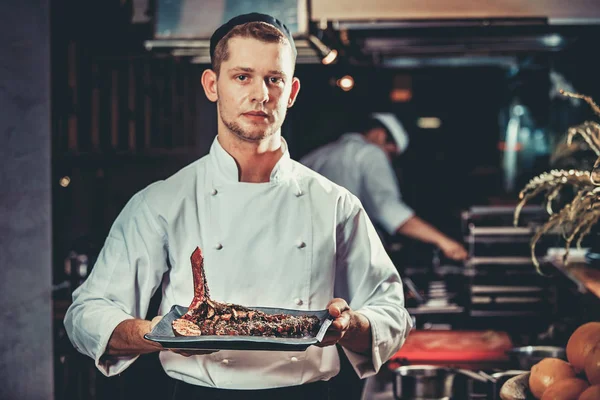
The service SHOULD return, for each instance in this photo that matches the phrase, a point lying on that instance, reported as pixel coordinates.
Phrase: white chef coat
(295, 242)
(363, 168)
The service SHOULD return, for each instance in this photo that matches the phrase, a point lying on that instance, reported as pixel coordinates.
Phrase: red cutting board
(455, 346)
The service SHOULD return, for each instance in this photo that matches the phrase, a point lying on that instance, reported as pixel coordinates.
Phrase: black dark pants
(310, 391)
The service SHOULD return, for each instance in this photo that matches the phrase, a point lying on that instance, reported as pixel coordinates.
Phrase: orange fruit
(547, 372)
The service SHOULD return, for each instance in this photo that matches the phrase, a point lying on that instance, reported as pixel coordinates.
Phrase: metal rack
(502, 281)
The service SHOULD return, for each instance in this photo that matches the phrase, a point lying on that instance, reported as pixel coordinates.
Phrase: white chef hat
(395, 128)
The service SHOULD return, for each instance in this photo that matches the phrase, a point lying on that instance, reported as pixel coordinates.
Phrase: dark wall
(438, 172)
(25, 224)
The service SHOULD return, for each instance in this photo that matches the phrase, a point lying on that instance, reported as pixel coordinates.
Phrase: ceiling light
(553, 40)
(346, 83)
(429, 123)
(328, 56)
(399, 95)
(64, 181)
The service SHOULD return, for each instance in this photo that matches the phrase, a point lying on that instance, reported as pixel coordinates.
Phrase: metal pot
(427, 382)
(423, 382)
(526, 357)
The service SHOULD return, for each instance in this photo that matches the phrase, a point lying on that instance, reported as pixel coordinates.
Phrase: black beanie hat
(245, 18)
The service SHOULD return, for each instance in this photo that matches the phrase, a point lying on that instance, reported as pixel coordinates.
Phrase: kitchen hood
(392, 33)
(556, 12)
(183, 28)
(495, 40)
(453, 32)
(197, 50)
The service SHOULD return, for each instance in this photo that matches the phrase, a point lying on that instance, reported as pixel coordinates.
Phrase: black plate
(163, 334)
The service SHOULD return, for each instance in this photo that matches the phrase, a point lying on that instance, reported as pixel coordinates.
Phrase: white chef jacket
(295, 242)
(363, 168)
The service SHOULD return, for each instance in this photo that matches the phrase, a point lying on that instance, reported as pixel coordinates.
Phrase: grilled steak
(208, 317)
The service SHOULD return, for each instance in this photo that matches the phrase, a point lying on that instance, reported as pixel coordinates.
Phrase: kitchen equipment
(502, 278)
(453, 347)
(527, 356)
(592, 258)
(423, 382)
(436, 301)
(413, 290)
(428, 382)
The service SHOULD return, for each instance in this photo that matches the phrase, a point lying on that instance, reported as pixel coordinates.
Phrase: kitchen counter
(587, 278)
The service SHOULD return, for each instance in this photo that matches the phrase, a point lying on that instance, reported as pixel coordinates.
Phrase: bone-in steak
(209, 317)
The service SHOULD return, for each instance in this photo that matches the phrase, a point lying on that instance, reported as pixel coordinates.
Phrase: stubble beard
(246, 136)
(242, 134)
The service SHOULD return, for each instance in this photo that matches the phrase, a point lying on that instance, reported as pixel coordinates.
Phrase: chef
(360, 162)
(273, 234)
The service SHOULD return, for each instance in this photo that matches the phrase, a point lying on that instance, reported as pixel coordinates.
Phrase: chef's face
(254, 88)
(381, 138)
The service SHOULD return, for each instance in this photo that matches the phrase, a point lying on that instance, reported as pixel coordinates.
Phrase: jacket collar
(226, 169)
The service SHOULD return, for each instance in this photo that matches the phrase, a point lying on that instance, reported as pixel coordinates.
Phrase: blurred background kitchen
(102, 97)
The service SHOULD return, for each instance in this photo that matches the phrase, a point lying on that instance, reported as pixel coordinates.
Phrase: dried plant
(551, 183)
(576, 219)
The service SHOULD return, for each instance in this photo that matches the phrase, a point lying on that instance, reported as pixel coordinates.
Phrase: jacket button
(301, 245)
(299, 301)
(218, 246)
(294, 359)
(225, 361)
(214, 192)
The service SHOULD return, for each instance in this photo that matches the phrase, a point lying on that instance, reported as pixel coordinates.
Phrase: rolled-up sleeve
(380, 193)
(368, 280)
(127, 273)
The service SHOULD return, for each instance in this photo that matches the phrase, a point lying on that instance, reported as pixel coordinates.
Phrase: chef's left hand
(346, 323)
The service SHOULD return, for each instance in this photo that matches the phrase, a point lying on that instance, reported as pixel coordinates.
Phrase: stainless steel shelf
(505, 289)
(525, 261)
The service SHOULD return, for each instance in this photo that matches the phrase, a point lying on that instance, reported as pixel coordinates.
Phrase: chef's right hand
(186, 352)
(453, 250)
